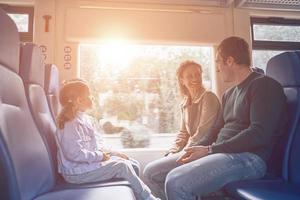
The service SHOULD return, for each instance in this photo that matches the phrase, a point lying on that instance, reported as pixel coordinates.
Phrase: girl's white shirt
(78, 151)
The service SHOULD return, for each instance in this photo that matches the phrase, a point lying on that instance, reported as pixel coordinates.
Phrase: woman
(199, 110)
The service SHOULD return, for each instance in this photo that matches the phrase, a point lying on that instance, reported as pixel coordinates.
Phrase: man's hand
(193, 153)
(106, 156)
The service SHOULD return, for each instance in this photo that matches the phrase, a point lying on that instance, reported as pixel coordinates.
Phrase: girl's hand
(106, 156)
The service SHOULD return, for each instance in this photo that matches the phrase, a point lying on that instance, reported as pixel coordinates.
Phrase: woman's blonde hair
(183, 66)
(70, 91)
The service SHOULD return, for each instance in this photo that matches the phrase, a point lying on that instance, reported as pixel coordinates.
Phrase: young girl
(79, 160)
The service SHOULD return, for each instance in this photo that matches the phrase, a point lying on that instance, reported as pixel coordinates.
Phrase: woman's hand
(106, 156)
(193, 153)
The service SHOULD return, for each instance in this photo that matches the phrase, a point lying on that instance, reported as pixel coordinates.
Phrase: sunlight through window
(136, 90)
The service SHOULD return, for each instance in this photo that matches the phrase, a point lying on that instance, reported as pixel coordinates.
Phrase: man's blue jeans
(173, 181)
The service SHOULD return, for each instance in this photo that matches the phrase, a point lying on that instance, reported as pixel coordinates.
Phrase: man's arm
(267, 108)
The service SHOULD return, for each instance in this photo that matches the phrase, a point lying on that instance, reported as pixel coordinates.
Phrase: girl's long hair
(182, 89)
(68, 95)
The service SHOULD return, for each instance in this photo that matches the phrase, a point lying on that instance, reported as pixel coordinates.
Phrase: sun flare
(116, 54)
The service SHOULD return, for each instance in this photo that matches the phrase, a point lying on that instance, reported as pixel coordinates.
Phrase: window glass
(21, 21)
(261, 57)
(137, 102)
(276, 33)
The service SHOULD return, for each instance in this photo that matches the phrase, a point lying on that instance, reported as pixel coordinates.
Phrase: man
(240, 142)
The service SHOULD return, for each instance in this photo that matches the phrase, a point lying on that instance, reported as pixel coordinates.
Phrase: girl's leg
(210, 173)
(136, 166)
(155, 173)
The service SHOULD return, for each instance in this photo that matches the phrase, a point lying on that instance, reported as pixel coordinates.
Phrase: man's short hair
(237, 48)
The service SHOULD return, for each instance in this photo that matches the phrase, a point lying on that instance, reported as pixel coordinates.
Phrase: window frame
(274, 45)
(28, 10)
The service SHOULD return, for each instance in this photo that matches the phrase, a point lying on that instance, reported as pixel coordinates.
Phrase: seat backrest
(52, 88)
(33, 72)
(294, 158)
(285, 68)
(24, 158)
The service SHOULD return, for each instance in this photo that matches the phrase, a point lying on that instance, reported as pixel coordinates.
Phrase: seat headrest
(285, 68)
(32, 69)
(51, 79)
(9, 43)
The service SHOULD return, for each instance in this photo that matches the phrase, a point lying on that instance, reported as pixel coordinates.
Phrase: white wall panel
(188, 27)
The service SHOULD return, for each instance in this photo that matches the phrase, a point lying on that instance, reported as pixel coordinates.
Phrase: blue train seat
(32, 72)
(285, 68)
(51, 86)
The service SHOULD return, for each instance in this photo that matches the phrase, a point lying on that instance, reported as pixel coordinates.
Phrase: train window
(276, 33)
(271, 36)
(261, 57)
(23, 17)
(135, 88)
(21, 20)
